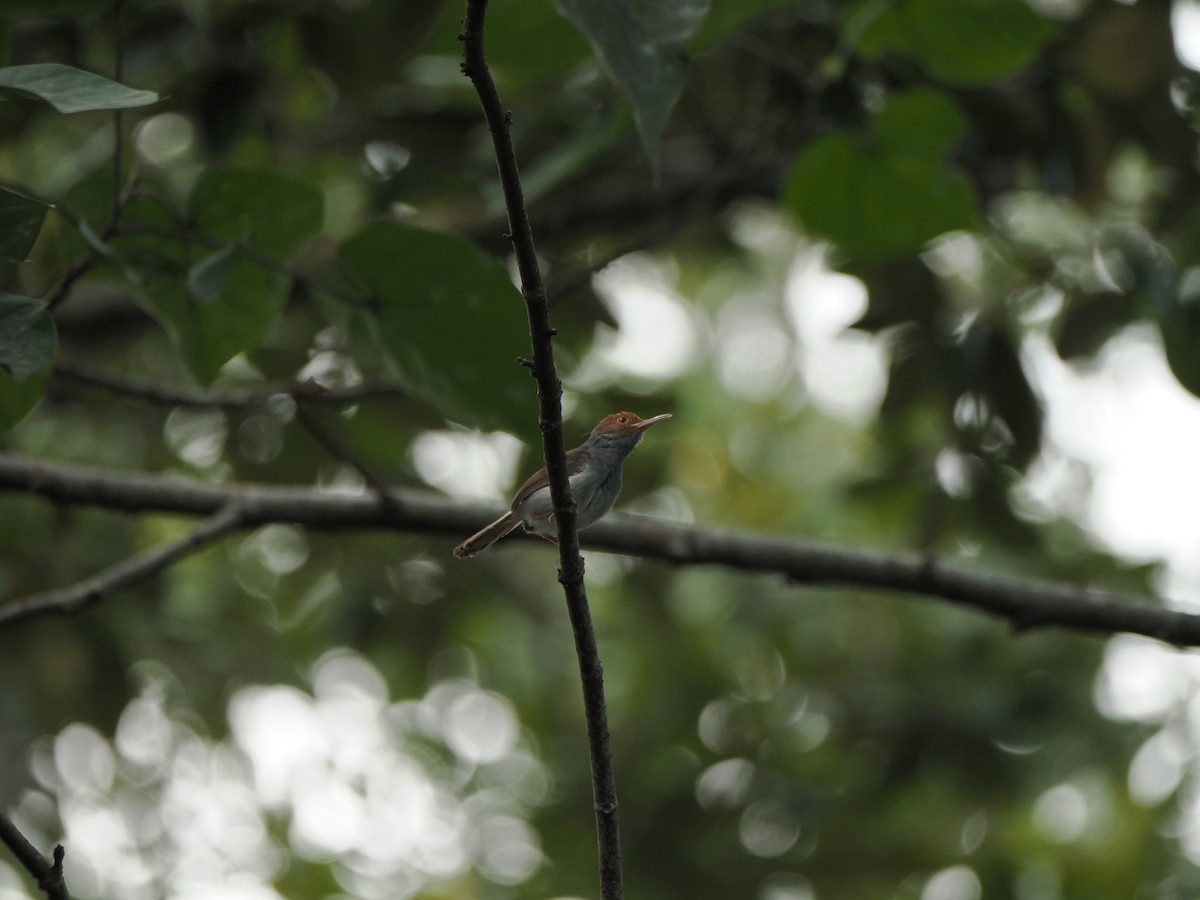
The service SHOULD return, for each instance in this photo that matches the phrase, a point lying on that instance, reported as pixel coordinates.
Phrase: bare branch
(244, 398)
(76, 597)
(549, 390)
(339, 450)
(48, 875)
(1026, 603)
(262, 260)
(66, 279)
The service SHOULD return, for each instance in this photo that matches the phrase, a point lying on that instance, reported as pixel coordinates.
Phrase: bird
(594, 470)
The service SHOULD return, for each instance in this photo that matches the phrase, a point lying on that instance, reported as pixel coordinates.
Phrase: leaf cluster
(281, 200)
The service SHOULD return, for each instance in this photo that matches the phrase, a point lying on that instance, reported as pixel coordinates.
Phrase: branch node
(51, 882)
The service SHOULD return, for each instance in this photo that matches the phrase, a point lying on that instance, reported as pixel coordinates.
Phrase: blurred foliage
(312, 198)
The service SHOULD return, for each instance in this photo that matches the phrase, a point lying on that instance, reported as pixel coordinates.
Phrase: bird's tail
(487, 536)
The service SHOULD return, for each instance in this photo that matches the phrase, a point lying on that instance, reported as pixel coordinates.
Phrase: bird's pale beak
(646, 423)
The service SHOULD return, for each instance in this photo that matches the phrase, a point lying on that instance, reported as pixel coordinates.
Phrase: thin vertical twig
(549, 390)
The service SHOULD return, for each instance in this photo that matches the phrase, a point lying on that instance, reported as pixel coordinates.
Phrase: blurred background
(910, 276)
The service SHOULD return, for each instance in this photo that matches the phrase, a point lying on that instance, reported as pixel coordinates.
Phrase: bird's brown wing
(541, 479)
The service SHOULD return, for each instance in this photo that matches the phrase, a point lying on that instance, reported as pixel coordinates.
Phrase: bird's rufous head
(626, 423)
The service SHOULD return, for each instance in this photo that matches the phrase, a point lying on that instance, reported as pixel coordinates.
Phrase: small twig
(191, 236)
(76, 597)
(659, 234)
(549, 390)
(341, 451)
(66, 280)
(49, 876)
(246, 398)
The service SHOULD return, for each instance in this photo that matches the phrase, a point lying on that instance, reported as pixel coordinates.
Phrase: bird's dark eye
(624, 420)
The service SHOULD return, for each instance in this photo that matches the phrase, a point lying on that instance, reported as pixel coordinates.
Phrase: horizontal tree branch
(241, 398)
(1026, 603)
(140, 566)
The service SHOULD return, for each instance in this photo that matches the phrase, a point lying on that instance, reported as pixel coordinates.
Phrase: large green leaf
(21, 220)
(275, 213)
(919, 123)
(27, 343)
(451, 319)
(269, 213)
(150, 257)
(208, 278)
(71, 90)
(214, 305)
(26, 337)
(17, 399)
(890, 194)
(641, 43)
(963, 41)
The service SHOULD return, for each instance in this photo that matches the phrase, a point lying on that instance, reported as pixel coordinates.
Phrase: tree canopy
(264, 360)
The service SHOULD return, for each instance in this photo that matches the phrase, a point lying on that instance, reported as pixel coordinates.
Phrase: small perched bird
(594, 469)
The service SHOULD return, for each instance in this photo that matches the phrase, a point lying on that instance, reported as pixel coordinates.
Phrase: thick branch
(140, 566)
(549, 390)
(1027, 603)
(48, 875)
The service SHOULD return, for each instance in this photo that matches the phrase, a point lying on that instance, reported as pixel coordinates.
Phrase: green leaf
(921, 122)
(17, 400)
(21, 220)
(149, 257)
(236, 299)
(26, 337)
(277, 214)
(71, 90)
(207, 279)
(641, 43)
(962, 41)
(451, 319)
(240, 298)
(890, 195)
(27, 344)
